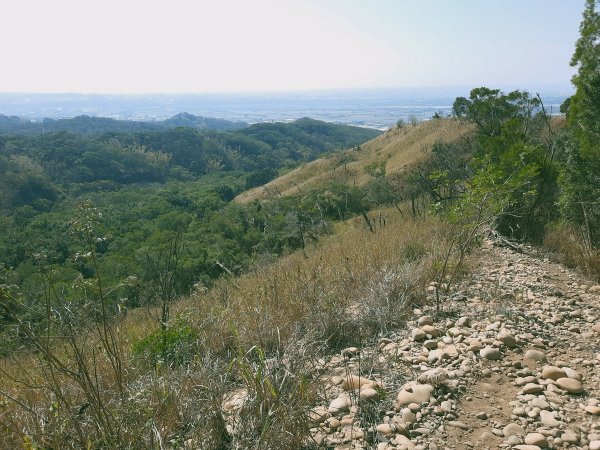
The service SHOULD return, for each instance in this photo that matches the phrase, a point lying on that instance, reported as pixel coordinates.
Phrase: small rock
(352, 382)
(431, 344)
(465, 321)
(425, 320)
(369, 394)
(535, 356)
(431, 330)
(415, 393)
(532, 388)
(512, 429)
(408, 416)
(490, 353)
(548, 419)
(418, 334)
(570, 437)
(457, 424)
(514, 440)
(572, 373)
(385, 429)
(350, 352)
(593, 410)
(507, 339)
(553, 373)
(319, 414)
(340, 404)
(536, 439)
(539, 402)
(570, 385)
(404, 442)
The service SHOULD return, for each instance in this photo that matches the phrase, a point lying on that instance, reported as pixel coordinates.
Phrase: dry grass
(566, 244)
(354, 285)
(401, 149)
(260, 333)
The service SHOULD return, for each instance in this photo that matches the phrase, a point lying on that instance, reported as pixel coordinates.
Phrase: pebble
(536, 439)
(490, 353)
(553, 373)
(369, 394)
(418, 334)
(415, 393)
(593, 410)
(535, 356)
(507, 339)
(594, 445)
(512, 429)
(570, 385)
(532, 388)
(425, 320)
(340, 404)
(548, 419)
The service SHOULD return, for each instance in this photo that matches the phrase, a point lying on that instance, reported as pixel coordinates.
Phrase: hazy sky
(130, 46)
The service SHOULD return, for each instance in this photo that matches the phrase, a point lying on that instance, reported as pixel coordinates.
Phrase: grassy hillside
(399, 148)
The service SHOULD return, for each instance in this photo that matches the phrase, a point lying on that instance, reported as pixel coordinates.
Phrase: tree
(580, 177)
(490, 108)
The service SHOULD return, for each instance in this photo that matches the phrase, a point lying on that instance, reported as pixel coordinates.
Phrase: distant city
(368, 108)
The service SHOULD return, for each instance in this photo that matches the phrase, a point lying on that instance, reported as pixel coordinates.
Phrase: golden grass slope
(400, 148)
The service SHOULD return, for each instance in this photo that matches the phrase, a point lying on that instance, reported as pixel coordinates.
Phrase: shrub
(174, 346)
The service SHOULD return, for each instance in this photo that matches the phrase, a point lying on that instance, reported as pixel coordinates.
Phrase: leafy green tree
(514, 174)
(490, 108)
(580, 177)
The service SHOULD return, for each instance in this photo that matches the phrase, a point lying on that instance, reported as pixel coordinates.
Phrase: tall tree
(580, 196)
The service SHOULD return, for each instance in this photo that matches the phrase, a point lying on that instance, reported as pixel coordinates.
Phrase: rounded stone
(526, 447)
(535, 356)
(532, 388)
(553, 373)
(490, 353)
(572, 373)
(425, 320)
(385, 429)
(352, 382)
(507, 339)
(570, 385)
(593, 410)
(415, 393)
(340, 404)
(536, 439)
(369, 394)
(431, 330)
(418, 334)
(512, 429)
(548, 419)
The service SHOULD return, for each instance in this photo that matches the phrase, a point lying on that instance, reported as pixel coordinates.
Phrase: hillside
(98, 125)
(399, 148)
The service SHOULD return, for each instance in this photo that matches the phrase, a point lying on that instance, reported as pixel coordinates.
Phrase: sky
(199, 46)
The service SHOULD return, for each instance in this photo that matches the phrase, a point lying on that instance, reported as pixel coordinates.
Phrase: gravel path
(515, 364)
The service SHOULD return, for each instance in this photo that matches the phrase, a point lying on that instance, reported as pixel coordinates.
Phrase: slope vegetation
(398, 148)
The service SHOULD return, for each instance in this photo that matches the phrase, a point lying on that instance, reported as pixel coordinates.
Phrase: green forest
(149, 189)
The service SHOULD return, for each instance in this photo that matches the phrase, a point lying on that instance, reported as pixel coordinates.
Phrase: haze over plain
(266, 45)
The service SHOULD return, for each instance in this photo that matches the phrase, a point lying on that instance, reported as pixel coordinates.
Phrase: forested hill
(98, 125)
(151, 185)
(34, 166)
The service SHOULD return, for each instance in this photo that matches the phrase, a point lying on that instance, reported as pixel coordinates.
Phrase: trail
(515, 365)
